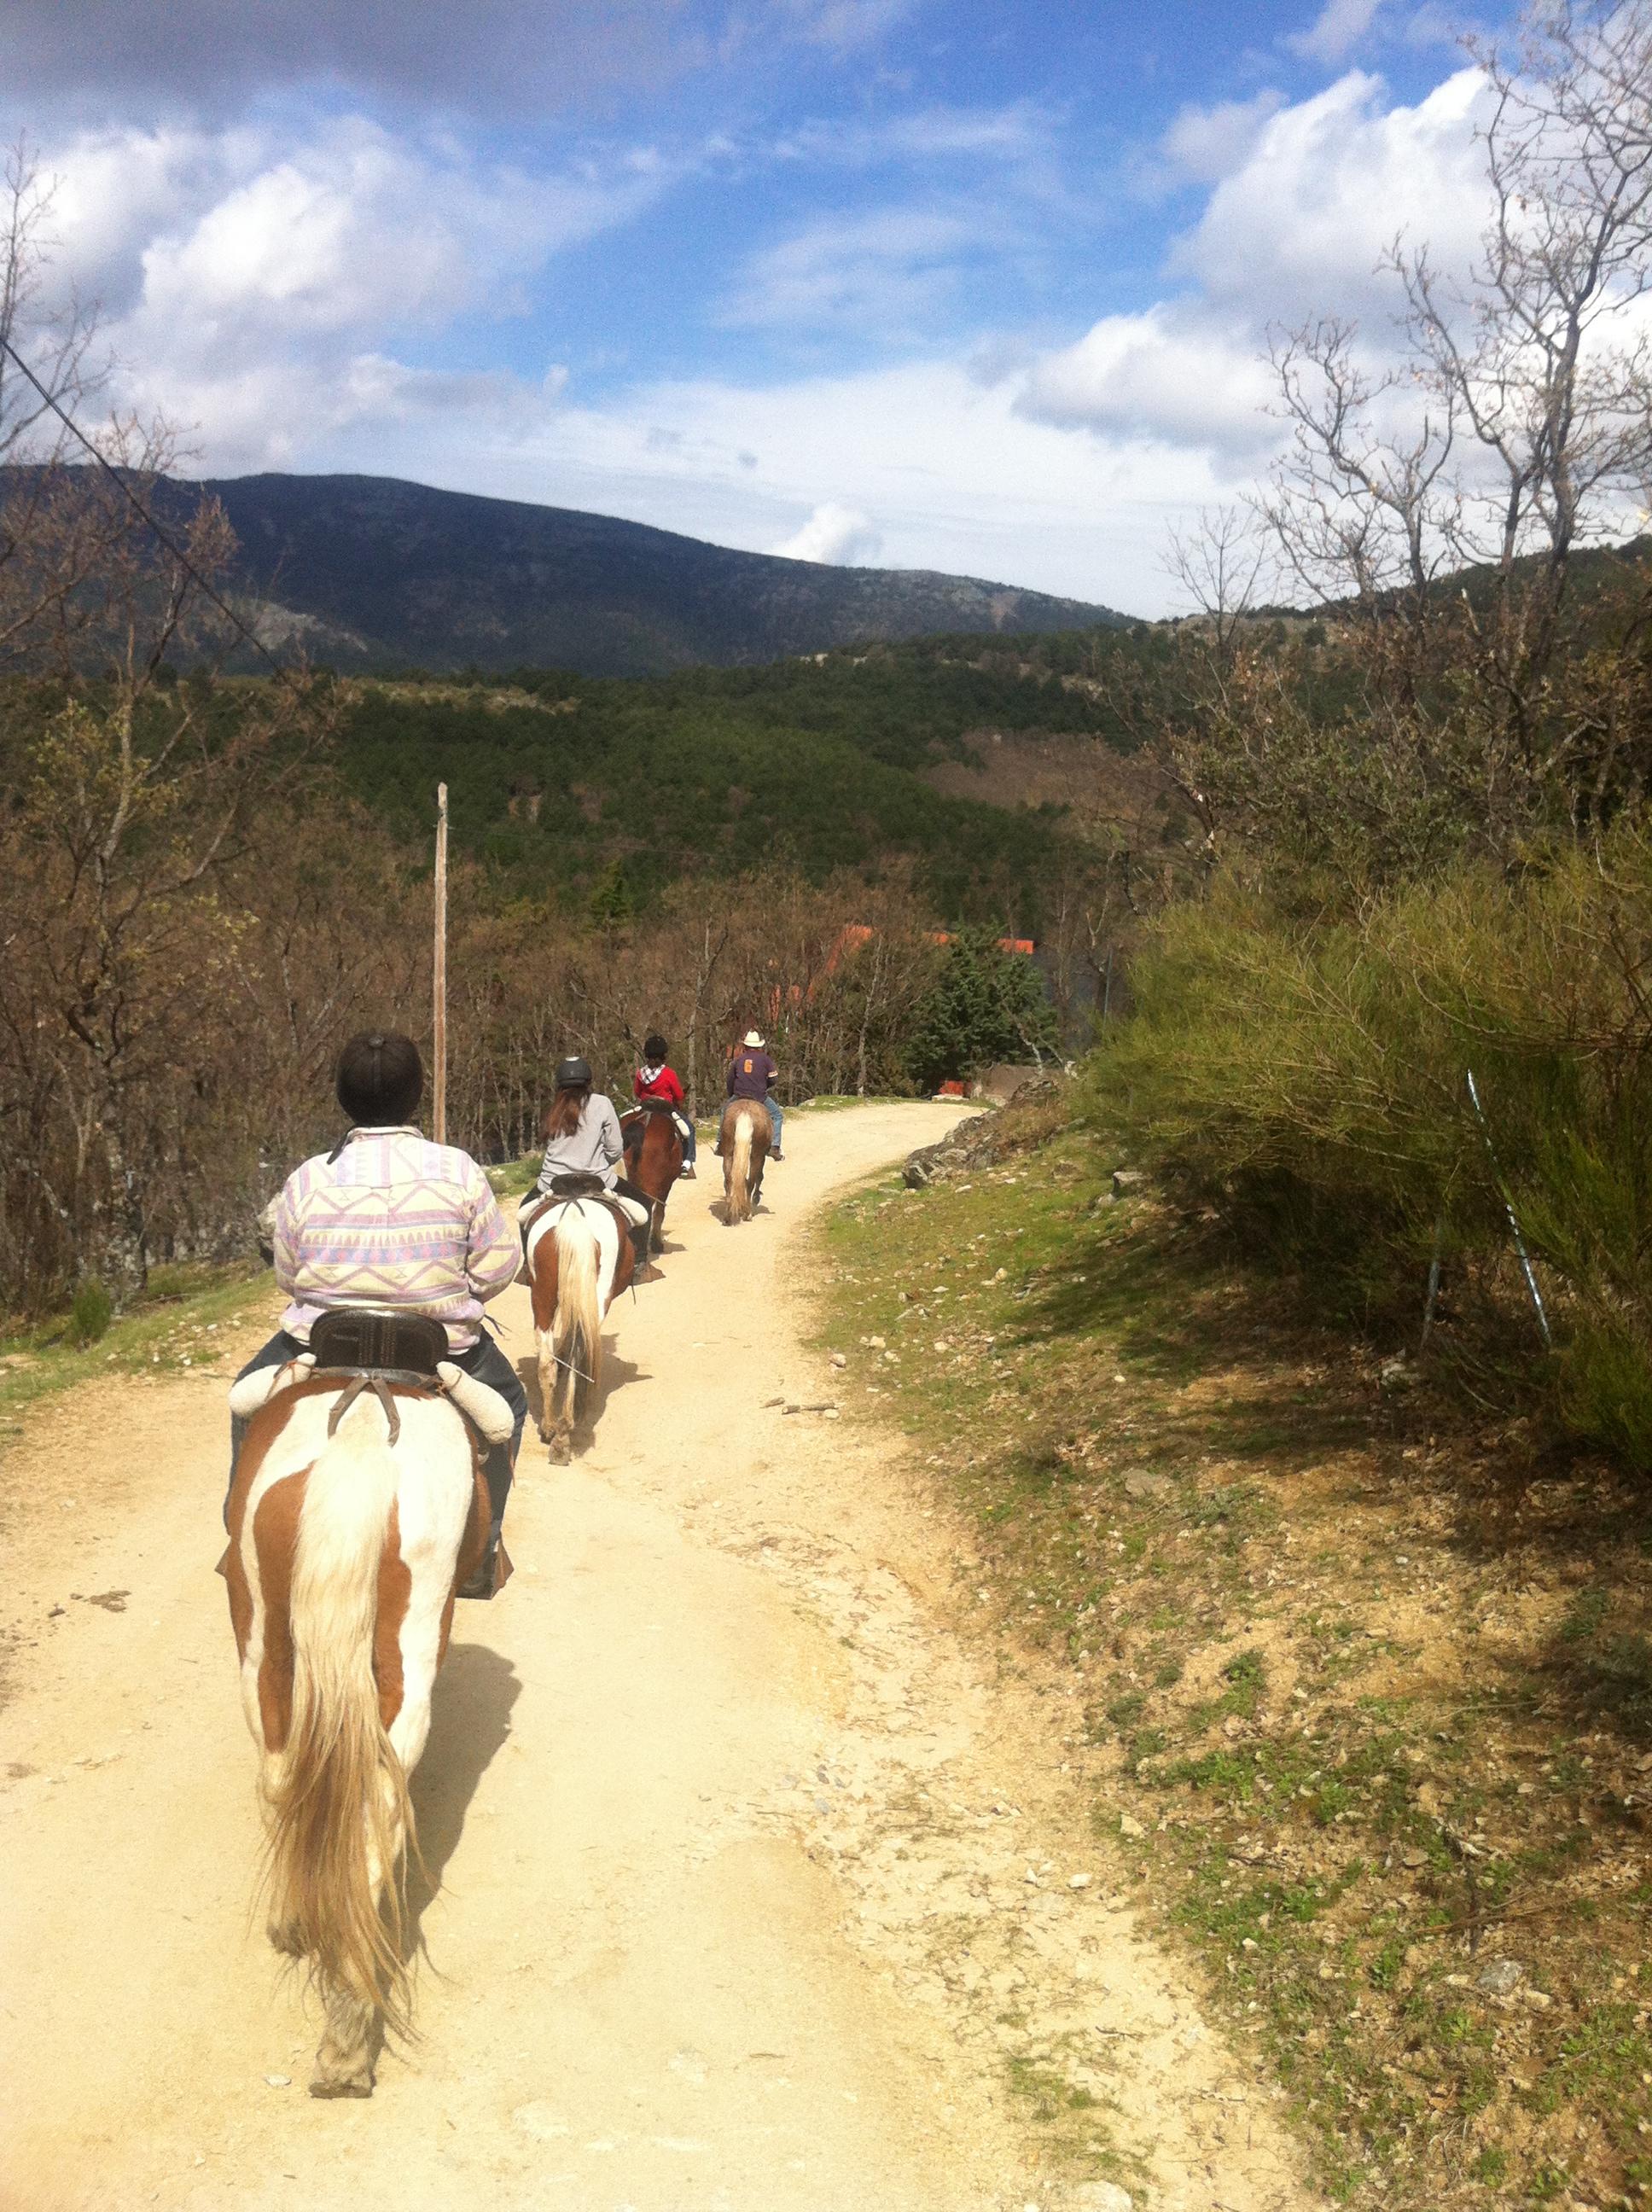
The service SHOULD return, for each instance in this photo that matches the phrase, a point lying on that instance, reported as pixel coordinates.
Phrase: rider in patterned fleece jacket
(390, 1220)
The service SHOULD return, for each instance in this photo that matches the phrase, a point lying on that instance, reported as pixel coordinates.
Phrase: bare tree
(1514, 427)
(69, 535)
(1537, 352)
(1363, 508)
(1219, 565)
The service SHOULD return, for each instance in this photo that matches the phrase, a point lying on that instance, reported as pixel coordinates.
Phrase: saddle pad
(479, 1402)
(481, 1405)
(248, 1392)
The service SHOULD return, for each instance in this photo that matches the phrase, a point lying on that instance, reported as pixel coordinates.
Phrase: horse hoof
(284, 1938)
(355, 2083)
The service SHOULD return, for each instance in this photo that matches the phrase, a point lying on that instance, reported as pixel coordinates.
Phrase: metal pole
(1432, 1298)
(1509, 1209)
(439, 975)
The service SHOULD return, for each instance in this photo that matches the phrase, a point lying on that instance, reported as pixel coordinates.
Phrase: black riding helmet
(380, 1078)
(655, 1048)
(573, 1075)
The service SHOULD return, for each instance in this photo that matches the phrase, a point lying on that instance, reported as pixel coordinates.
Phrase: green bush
(91, 1312)
(986, 1004)
(1307, 1080)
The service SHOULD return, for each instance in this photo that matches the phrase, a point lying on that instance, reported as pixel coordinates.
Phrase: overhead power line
(124, 489)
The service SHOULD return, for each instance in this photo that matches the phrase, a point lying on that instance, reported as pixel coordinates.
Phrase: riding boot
(492, 1571)
(479, 1583)
(644, 1270)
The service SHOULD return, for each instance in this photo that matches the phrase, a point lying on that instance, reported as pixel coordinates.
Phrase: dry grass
(1369, 1700)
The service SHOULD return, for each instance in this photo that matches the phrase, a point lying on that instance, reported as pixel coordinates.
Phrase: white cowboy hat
(752, 1036)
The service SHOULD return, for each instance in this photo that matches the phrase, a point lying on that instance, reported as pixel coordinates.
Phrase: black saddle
(579, 1184)
(374, 1350)
(369, 1343)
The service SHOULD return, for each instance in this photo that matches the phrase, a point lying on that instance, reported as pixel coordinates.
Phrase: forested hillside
(367, 572)
(583, 786)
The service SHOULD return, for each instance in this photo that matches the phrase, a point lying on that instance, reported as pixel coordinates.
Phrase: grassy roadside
(172, 1325)
(1368, 1702)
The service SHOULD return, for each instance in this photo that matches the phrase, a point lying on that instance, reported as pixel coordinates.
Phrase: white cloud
(358, 229)
(1295, 229)
(883, 270)
(1330, 183)
(847, 27)
(254, 284)
(842, 535)
(1336, 31)
(923, 134)
(1177, 376)
(1204, 143)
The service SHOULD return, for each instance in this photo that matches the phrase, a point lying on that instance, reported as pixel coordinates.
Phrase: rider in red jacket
(656, 1080)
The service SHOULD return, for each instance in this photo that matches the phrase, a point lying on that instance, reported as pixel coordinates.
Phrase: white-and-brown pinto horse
(354, 1517)
(743, 1141)
(577, 1246)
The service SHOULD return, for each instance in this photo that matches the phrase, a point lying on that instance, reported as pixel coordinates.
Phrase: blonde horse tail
(576, 1331)
(340, 1817)
(739, 1195)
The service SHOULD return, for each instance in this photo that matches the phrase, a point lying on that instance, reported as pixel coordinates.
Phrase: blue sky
(956, 286)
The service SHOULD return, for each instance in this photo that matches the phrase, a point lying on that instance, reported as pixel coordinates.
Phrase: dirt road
(753, 1883)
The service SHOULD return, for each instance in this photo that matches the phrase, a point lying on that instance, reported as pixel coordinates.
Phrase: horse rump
(339, 1818)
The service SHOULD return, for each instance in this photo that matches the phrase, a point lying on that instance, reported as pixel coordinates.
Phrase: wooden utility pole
(439, 974)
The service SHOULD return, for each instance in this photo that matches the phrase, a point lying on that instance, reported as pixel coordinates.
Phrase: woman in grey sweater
(582, 1136)
(582, 1131)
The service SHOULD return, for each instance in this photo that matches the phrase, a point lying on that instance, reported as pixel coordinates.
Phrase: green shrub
(986, 1004)
(1307, 1080)
(92, 1312)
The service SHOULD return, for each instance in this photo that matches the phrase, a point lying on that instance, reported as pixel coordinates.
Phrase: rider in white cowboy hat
(751, 1074)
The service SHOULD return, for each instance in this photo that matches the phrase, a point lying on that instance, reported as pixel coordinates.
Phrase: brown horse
(653, 1161)
(580, 1259)
(744, 1142)
(349, 1536)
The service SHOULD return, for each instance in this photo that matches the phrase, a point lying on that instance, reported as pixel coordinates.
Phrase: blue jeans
(484, 1360)
(775, 1118)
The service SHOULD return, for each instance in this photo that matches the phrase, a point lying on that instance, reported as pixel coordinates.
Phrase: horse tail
(340, 1816)
(576, 1331)
(739, 1195)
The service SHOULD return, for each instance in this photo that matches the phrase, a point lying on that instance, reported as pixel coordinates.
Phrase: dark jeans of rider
(484, 1360)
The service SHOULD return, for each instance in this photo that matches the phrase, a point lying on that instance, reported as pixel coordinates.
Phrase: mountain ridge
(381, 572)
